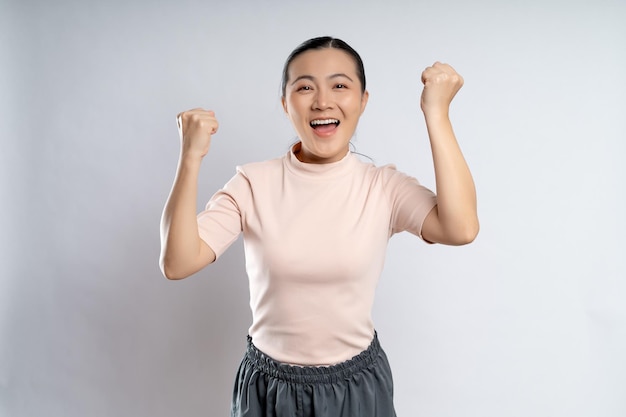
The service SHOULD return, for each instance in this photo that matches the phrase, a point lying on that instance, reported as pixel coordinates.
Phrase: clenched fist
(441, 83)
(195, 128)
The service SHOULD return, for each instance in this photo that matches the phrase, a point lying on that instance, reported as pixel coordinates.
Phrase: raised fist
(441, 83)
(195, 128)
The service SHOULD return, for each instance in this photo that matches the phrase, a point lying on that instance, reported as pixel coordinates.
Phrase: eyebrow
(330, 77)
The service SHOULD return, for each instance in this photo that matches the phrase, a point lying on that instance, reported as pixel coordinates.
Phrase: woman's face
(323, 100)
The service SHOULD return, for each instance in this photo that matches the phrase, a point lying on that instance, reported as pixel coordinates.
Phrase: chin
(334, 151)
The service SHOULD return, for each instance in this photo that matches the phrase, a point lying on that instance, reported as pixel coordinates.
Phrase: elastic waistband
(312, 374)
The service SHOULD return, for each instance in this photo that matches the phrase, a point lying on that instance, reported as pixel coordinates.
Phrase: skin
(183, 253)
(454, 220)
(323, 84)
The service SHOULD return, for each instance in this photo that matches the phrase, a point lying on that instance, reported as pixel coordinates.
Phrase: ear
(364, 97)
(284, 103)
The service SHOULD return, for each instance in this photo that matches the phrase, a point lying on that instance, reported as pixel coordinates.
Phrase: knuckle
(195, 118)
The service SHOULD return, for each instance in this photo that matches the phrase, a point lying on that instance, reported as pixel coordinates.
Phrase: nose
(323, 100)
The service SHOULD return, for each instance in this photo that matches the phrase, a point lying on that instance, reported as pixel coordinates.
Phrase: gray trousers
(359, 387)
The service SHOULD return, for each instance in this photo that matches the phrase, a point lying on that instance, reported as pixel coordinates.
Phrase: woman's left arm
(454, 220)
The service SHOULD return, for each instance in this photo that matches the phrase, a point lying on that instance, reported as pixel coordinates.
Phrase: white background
(529, 320)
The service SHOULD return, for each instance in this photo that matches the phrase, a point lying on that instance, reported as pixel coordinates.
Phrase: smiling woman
(316, 223)
(324, 102)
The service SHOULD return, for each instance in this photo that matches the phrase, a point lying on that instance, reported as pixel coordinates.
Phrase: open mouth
(324, 125)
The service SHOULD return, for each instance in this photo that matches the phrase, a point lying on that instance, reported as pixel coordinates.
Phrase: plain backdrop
(529, 320)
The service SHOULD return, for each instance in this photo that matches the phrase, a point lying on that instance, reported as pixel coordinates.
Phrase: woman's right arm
(183, 253)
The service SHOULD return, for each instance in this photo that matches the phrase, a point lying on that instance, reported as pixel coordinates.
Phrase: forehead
(321, 62)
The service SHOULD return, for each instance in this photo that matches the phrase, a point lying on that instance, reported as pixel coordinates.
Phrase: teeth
(324, 122)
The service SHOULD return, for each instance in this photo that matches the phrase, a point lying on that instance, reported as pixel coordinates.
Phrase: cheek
(351, 104)
(294, 109)
(296, 117)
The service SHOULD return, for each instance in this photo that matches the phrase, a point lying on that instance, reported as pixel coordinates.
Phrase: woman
(316, 224)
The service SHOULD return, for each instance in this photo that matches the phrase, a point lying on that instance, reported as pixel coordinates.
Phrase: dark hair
(324, 42)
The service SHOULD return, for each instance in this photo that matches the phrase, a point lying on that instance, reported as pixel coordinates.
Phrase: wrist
(190, 160)
(436, 115)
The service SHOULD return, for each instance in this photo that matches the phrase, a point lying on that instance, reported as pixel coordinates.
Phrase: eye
(304, 88)
(341, 86)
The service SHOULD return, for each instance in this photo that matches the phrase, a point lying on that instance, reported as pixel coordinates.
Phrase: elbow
(169, 272)
(460, 234)
(468, 234)
(455, 229)
(172, 276)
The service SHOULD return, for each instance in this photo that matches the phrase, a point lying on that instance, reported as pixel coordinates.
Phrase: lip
(325, 134)
(328, 133)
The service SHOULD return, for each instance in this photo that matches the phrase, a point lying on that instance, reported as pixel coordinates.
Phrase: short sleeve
(410, 202)
(220, 223)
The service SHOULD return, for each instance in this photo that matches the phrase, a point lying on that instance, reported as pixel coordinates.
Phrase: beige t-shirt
(315, 237)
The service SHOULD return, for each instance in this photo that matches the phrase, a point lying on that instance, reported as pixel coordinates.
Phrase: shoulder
(385, 174)
(249, 177)
(261, 168)
(397, 185)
